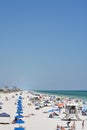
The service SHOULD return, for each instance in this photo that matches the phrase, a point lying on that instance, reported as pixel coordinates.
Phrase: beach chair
(19, 128)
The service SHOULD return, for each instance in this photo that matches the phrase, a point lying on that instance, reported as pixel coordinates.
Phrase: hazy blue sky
(43, 44)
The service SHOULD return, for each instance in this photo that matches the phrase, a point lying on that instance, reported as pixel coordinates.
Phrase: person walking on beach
(82, 124)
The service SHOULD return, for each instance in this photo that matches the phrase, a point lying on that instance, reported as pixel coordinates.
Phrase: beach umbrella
(19, 102)
(19, 112)
(20, 97)
(19, 128)
(20, 108)
(54, 110)
(19, 121)
(19, 105)
(60, 105)
(4, 115)
(58, 110)
(51, 110)
(19, 116)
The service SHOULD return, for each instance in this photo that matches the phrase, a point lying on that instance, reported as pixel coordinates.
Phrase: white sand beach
(35, 118)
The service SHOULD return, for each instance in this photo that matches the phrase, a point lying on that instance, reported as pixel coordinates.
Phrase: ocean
(82, 94)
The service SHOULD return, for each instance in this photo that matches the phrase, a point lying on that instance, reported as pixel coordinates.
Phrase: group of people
(72, 127)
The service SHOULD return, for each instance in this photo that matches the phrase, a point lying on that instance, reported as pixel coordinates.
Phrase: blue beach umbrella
(19, 116)
(19, 112)
(19, 128)
(19, 103)
(20, 97)
(19, 121)
(19, 100)
(20, 108)
(57, 109)
(51, 110)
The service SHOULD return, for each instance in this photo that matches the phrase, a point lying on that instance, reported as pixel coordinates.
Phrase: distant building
(6, 89)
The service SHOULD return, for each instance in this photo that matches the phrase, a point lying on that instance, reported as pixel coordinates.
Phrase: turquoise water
(69, 93)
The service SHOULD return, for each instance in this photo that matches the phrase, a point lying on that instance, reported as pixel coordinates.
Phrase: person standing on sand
(82, 124)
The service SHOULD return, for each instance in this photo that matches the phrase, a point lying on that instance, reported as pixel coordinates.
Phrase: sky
(43, 44)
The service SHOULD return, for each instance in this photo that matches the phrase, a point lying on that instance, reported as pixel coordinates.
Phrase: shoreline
(84, 98)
